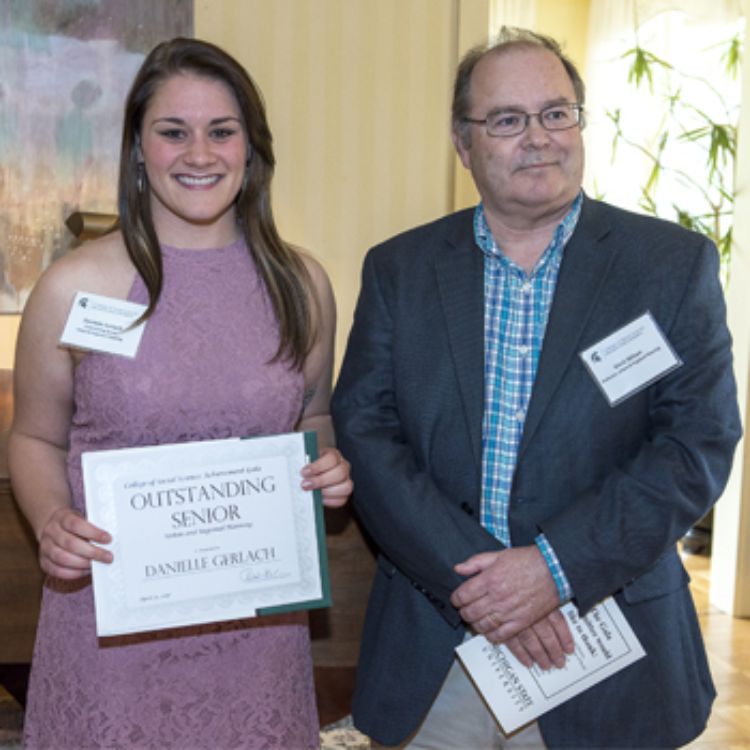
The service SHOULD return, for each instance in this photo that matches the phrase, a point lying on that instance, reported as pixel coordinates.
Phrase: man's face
(530, 179)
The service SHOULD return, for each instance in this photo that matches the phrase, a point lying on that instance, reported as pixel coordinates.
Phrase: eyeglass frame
(573, 106)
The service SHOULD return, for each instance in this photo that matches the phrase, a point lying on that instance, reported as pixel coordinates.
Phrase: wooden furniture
(20, 576)
(335, 632)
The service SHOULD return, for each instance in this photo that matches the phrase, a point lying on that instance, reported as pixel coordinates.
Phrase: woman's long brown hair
(280, 267)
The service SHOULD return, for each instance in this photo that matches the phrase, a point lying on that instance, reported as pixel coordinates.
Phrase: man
(497, 472)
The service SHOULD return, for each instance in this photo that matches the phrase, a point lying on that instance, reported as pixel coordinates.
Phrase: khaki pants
(459, 720)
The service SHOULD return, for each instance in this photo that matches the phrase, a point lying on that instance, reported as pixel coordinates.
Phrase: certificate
(604, 644)
(205, 531)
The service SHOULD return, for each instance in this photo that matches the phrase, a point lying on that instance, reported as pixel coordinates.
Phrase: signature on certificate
(249, 575)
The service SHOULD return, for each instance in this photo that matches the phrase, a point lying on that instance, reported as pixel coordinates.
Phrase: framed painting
(65, 69)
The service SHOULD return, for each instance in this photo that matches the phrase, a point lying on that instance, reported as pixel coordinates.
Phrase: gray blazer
(612, 488)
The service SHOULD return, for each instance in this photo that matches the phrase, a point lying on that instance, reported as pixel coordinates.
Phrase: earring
(140, 178)
(246, 177)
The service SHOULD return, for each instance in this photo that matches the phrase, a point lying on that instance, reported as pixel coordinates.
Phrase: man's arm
(675, 466)
(617, 530)
(416, 525)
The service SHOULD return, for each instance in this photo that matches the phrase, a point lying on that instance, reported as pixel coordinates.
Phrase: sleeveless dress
(202, 371)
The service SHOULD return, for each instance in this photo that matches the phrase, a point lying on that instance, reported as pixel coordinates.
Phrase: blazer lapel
(585, 265)
(460, 281)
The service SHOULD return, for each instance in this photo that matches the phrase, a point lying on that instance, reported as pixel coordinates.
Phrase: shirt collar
(486, 242)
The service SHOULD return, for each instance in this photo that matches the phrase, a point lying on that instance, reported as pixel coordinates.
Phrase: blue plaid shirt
(516, 308)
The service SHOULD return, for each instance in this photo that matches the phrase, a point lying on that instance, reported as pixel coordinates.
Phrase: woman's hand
(66, 546)
(330, 475)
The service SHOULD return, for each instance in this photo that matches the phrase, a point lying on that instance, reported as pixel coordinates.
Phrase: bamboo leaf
(684, 219)
(653, 178)
(725, 246)
(656, 167)
(642, 66)
(709, 191)
(726, 195)
(693, 221)
(695, 134)
(722, 146)
(662, 142)
(674, 99)
(647, 203)
(614, 116)
(732, 57)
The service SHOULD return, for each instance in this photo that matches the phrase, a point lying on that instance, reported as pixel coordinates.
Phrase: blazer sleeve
(617, 529)
(424, 529)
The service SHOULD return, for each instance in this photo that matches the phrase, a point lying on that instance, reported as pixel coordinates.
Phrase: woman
(238, 340)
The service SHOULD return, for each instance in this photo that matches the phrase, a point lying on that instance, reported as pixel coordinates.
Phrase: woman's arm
(330, 473)
(38, 443)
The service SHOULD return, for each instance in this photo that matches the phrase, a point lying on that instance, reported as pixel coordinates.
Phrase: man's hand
(545, 643)
(510, 597)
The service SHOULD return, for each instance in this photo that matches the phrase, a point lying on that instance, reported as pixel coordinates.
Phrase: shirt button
(523, 350)
(526, 287)
(520, 415)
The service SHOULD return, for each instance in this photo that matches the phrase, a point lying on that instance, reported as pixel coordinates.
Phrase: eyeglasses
(507, 123)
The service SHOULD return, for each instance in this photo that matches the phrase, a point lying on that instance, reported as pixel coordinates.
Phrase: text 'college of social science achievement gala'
(205, 531)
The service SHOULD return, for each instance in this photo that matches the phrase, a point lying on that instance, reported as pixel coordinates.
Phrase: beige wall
(568, 22)
(730, 557)
(358, 97)
(358, 94)
(8, 333)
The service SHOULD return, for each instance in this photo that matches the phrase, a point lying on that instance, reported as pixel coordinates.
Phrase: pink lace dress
(202, 371)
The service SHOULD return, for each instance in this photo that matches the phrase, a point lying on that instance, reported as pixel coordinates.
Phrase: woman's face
(194, 150)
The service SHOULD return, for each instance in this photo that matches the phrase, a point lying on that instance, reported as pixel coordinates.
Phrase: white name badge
(102, 324)
(630, 359)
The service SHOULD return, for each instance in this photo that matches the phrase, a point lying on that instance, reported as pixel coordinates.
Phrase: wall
(358, 101)
(358, 94)
(730, 556)
(567, 21)
(8, 333)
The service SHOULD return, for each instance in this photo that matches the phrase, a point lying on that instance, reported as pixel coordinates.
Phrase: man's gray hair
(507, 38)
